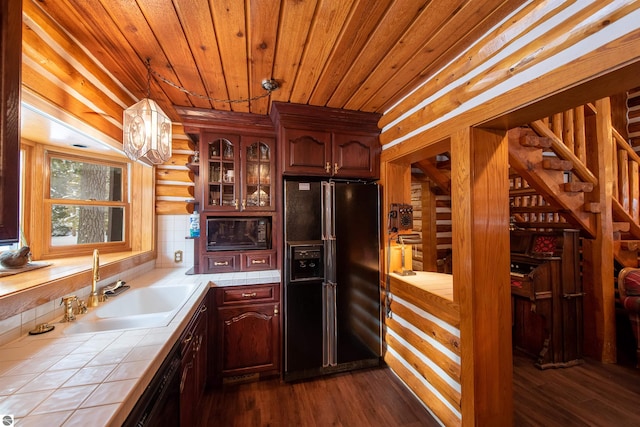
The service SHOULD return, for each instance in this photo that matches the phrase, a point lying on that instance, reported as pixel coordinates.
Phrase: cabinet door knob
(335, 168)
(276, 310)
(244, 204)
(327, 167)
(249, 295)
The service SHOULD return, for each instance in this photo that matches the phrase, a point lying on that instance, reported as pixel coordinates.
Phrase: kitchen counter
(439, 284)
(59, 379)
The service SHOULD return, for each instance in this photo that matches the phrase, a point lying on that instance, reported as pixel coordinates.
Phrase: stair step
(528, 191)
(578, 187)
(622, 227)
(535, 141)
(593, 207)
(557, 164)
(542, 225)
(630, 245)
(533, 209)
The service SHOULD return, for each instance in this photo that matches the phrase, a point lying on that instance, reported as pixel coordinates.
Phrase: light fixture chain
(197, 95)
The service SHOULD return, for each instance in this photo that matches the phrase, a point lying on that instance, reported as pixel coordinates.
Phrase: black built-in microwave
(238, 233)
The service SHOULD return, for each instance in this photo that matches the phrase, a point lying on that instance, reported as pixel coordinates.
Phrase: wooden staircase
(552, 184)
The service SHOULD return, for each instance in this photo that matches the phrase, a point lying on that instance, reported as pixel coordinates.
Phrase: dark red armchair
(629, 290)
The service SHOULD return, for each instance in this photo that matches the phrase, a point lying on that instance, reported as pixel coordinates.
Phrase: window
(86, 204)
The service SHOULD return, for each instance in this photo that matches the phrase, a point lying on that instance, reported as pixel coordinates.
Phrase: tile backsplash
(172, 236)
(172, 232)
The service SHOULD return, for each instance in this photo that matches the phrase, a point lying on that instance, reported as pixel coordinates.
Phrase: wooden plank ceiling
(353, 54)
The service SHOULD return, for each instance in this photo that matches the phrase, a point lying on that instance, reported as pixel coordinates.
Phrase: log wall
(545, 58)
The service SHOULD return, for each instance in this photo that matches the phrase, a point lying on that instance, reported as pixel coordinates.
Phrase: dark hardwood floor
(371, 397)
(591, 394)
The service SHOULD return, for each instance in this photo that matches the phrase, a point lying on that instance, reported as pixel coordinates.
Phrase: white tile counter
(58, 379)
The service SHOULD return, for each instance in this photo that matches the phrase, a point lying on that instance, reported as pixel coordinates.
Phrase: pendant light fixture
(146, 129)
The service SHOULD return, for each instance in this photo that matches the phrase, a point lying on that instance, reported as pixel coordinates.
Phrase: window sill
(27, 290)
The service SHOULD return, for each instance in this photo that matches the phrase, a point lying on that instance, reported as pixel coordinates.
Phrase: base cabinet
(247, 336)
(193, 349)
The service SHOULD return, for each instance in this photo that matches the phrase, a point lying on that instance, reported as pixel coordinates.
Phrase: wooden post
(480, 227)
(429, 228)
(598, 276)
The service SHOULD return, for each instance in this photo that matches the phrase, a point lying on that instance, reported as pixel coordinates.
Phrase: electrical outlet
(177, 256)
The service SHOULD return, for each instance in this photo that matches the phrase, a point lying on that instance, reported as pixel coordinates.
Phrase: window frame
(58, 251)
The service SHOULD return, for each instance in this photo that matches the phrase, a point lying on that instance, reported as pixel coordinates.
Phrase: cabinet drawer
(246, 294)
(221, 263)
(261, 261)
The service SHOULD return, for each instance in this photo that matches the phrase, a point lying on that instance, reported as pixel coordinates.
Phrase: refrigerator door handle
(330, 350)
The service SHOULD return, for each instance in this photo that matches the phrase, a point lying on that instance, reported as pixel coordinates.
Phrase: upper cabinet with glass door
(220, 189)
(258, 173)
(239, 173)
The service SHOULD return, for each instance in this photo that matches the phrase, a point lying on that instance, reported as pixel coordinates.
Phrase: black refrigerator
(332, 311)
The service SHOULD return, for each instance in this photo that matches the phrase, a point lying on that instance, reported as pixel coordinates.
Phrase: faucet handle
(103, 295)
(68, 300)
(81, 306)
(69, 315)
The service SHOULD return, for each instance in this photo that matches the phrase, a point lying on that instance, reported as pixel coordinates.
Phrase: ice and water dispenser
(305, 262)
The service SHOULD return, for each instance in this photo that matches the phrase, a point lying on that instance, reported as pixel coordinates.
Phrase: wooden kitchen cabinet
(247, 331)
(10, 66)
(238, 172)
(228, 262)
(194, 347)
(319, 141)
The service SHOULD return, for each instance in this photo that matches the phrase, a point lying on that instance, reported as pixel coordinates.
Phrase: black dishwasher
(159, 405)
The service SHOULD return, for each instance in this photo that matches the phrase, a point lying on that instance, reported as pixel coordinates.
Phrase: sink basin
(150, 307)
(145, 301)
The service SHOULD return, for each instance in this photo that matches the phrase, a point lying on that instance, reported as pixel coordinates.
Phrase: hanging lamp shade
(146, 132)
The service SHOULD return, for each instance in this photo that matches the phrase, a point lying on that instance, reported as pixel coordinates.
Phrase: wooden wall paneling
(37, 241)
(437, 53)
(262, 28)
(610, 68)
(233, 48)
(329, 18)
(480, 215)
(351, 44)
(429, 228)
(50, 90)
(416, 384)
(598, 255)
(41, 23)
(295, 19)
(207, 58)
(365, 62)
(485, 49)
(186, 192)
(54, 63)
(168, 207)
(125, 66)
(144, 222)
(427, 372)
(408, 347)
(182, 175)
(434, 331)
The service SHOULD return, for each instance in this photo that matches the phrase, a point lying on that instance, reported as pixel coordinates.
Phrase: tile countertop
(58, 379)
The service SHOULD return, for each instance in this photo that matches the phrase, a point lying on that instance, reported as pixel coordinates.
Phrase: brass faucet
(95, 276)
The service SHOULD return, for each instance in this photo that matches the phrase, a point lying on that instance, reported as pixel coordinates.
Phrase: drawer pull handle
(258, 261)
(249, 295)
(221, 263)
